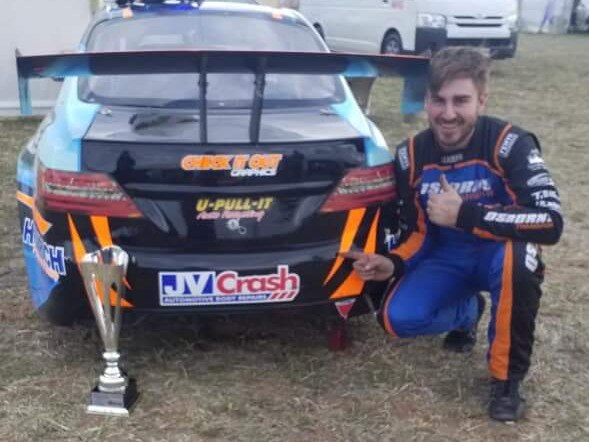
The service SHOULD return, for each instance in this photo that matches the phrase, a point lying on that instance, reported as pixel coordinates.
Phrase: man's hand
(371, 267)
(443, 207)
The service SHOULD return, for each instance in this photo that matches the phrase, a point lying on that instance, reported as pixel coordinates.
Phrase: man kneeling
(475, 200)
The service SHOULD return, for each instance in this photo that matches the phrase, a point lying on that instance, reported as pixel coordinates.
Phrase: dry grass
(273, 378)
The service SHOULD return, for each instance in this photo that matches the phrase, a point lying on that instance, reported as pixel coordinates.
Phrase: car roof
(213, 5)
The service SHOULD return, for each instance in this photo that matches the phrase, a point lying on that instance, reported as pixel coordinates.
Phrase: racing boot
(506, 404)
(463, 341)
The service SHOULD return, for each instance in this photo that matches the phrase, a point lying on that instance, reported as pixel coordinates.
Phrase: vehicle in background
(490, 24)
(369, 26)
(414, 26)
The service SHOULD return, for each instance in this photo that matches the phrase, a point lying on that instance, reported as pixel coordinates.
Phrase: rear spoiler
(205, 62)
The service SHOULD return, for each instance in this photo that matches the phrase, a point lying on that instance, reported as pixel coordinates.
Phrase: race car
(219, 145)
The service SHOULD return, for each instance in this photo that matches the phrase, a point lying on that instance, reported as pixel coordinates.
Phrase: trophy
(103, 272)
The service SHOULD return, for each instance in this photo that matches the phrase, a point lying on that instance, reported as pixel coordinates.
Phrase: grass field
(274, 379)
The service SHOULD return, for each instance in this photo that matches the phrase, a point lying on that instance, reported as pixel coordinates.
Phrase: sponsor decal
(545, 194)
(552, 205)
(344, 307)
(518, 218)
(507, 144)
(242, 165)
(403, 157)
(451, 159)
(233, 208)
(228, 287)
(50, 258)
(542, 179)
(535, 161)
(234, 226)
(391, 239)
(468, 190)
(531, 257)
(548, 199)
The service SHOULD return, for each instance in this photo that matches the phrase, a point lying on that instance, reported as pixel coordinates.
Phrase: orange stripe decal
(353, 285)
(80, 251)
(42, 224)
(102, 229)
(22, 197)
(350, 229)
(370, 246)
(499, 360)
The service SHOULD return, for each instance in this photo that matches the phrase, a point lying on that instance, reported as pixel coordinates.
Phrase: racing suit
(510, 205)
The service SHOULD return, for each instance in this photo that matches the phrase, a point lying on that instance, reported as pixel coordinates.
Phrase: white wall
(36, 27)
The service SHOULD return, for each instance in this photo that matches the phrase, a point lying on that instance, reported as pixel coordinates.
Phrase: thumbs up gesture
(443, 207)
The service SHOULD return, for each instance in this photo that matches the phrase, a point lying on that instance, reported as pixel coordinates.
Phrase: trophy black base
(113, 404)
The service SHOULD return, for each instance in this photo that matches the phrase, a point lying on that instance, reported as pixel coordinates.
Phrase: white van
(371, 26)
(414, 26)
(492, 24)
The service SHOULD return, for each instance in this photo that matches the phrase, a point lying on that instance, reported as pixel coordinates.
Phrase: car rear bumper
(499, 47)
(433, 39)
(312, 279)
(202, 282)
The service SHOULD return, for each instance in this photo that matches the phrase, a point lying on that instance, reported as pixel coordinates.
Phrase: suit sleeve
(536, 213)
(415, 230)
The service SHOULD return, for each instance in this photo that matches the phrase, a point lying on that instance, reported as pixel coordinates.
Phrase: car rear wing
(412, 68)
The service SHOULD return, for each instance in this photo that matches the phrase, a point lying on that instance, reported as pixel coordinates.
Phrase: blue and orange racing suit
(510, 205)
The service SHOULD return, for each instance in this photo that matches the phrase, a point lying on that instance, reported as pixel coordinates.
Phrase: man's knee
(405, 322)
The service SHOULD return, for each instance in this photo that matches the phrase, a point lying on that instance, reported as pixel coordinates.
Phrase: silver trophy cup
(103, 271)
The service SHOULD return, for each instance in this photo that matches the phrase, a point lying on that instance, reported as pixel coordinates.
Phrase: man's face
(453, 111)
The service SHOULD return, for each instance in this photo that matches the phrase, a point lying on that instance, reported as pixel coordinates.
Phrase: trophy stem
(112, 380)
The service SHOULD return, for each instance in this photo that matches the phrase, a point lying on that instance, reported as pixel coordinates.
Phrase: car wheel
(391, 44)
(506, 53)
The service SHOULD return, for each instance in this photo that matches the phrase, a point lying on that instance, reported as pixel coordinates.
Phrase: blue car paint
(60, 146)
(25, 177)
(376, 147)
(376, 150)
(40, 284)
(361, 68)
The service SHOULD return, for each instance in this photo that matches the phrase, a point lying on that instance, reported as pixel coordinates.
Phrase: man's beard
(459, 137)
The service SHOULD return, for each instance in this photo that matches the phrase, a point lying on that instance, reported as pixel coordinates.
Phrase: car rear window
(207, 30)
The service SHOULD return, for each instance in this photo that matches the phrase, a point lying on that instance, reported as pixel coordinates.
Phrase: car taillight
(362, 187)
(81, 192)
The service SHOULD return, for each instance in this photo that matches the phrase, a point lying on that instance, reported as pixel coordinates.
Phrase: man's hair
(452, 63)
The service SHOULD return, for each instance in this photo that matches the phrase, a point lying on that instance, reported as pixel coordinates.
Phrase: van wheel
(319, 30)
(391, 44)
